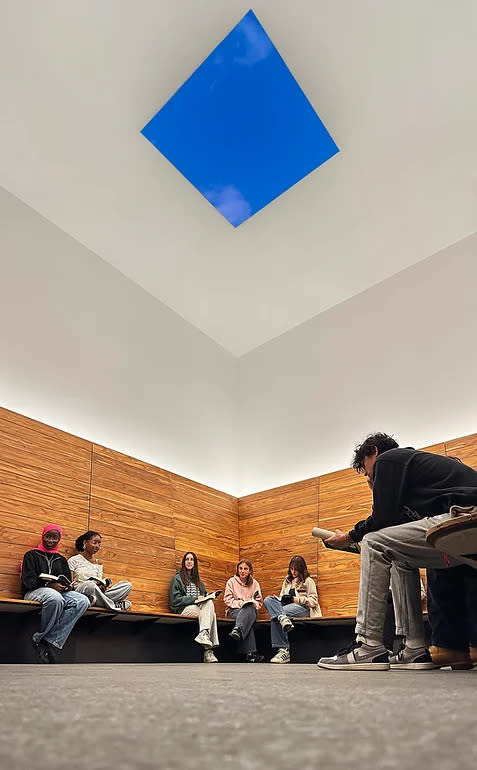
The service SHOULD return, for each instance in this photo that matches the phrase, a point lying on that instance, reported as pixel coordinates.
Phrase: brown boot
(473, 655)
(458, 660)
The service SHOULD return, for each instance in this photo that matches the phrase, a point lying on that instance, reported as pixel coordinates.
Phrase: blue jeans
(275, 608)
(245, 618)
(59, 613)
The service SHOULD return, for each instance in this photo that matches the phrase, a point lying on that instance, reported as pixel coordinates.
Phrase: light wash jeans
(404, 548)
(245, 618)
(205, 614)
(109, 598)
(275, 608)
(59, 613)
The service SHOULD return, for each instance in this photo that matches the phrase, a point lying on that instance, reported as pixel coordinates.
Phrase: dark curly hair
(380, 441)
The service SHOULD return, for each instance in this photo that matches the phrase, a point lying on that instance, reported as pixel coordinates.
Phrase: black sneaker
(358, 657)
(253, 657)
(43, 651)
(412, 659)
(235, 634)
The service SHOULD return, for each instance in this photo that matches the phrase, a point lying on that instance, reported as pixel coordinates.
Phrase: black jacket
(35, 562)
(425, 483)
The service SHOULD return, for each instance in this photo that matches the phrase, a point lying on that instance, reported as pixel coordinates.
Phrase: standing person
(185, 588)
(406, 483)
(298, 599)
(88, 578)
(60, 606)
(243, 599)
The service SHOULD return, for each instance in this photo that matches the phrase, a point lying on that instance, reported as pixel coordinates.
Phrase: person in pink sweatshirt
(243, 598)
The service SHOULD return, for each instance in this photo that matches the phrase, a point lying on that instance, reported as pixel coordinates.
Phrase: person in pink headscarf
(61, 607)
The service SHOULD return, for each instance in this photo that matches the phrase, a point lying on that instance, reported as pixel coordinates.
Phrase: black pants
(245, 620)
(452, 607)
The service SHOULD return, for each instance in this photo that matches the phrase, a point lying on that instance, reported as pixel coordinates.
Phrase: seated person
(403, 480)
(240, 588)
(61, 607)
(298, 599)
(185, 588)
(452, 611)
(88, 578)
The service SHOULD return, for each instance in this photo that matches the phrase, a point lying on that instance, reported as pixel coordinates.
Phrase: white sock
(368, 641)
(415, 644)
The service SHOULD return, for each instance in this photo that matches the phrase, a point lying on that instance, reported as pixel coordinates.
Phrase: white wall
(400, 357)
(84, 349)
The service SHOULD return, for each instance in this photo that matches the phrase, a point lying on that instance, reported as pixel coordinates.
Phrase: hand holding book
(58, 582)
(326, 534)
(212, 595)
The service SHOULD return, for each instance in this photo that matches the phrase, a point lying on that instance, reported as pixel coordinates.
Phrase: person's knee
(52, 598)
(268, 600)
(82, 602)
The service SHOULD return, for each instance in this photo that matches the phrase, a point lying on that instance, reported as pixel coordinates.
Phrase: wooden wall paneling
(130, 507)
(274, 526)
(44, 478)
(344, 499)
(206, 522)
(464, 448)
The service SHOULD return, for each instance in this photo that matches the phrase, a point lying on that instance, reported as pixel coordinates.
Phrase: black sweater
(425, 483)
(35, 562)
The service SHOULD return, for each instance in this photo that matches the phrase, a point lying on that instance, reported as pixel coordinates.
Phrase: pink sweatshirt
(236, 592)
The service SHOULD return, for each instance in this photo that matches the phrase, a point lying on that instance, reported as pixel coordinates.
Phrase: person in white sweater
(298, 599)
(88, 579)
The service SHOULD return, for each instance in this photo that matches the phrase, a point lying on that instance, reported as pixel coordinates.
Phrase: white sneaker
(124, 605)
(285, 623)
(203, 638)
(209, 657)
(282, 656)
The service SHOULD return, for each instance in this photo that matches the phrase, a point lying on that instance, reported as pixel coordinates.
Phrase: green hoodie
(177, 594)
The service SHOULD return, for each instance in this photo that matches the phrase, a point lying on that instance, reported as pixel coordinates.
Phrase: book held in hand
(103, 582)
(211, 595)
(56, 579)
(324, 534)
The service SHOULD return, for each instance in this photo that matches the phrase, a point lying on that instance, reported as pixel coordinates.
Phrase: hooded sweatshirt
(236, 592)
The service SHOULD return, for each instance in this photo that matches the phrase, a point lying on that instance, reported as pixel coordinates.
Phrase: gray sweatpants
(403, 548)
(108, 598)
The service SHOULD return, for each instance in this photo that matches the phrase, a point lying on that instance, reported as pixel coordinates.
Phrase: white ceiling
(395, 84)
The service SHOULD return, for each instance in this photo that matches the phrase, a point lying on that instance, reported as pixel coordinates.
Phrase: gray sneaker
(413, 660)
(285, 623)
(358, 657)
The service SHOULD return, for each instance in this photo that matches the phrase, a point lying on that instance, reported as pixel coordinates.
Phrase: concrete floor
(93, 717)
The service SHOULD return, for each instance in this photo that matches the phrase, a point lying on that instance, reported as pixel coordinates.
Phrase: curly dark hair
(380, 441)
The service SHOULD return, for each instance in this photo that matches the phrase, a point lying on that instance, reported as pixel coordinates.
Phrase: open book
(212, 595)
(103, 582)
(324, 534)
(56, 579)
(252, 600)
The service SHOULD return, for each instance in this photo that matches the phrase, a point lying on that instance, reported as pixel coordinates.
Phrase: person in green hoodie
(185, 588)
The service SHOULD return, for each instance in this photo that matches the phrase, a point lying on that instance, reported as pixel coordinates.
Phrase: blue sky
(240, 129)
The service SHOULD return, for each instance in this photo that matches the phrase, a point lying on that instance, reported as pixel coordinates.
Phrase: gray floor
(234, 716)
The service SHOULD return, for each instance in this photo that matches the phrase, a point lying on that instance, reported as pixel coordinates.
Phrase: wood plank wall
(274, 526)
(148, 517)
(338, 500)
